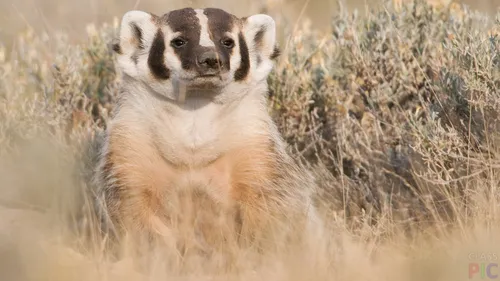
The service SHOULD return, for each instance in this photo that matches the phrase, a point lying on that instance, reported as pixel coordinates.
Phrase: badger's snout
(208, 63)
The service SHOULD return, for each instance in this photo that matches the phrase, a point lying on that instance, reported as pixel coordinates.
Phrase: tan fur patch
(144, 179)
(141, 177)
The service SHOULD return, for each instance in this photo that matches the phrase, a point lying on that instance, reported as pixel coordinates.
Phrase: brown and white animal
(192, 113)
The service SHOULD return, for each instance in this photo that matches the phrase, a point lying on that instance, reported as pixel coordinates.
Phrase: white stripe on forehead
(205, 40)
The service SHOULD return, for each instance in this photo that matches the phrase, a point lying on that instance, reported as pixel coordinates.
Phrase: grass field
(395, 112)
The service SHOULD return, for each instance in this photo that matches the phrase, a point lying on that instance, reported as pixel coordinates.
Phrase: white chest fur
(201, 132)
(195, 130)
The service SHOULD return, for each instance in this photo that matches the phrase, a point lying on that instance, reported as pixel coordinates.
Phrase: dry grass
(395, 113)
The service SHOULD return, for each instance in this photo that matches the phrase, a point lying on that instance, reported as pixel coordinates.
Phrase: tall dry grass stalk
(394, 113)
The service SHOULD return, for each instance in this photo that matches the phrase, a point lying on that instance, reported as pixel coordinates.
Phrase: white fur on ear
(260, 34)
(260, 29)
(137, 31)
(131, 28)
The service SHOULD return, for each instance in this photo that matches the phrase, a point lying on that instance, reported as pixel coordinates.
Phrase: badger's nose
(209, 60)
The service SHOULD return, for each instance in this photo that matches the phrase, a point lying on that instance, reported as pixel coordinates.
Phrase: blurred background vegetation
(72, 15)
(396, 112)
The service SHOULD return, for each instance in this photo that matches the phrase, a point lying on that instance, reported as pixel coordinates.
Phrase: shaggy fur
(177, 131)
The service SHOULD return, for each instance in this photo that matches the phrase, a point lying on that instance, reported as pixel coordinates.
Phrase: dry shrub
(394, 112)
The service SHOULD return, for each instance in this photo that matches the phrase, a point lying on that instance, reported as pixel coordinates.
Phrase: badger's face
(206, 50)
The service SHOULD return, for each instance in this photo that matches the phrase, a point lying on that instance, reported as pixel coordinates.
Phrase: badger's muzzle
(208, 63)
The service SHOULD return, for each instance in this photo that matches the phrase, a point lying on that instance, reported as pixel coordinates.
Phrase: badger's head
(208, 51)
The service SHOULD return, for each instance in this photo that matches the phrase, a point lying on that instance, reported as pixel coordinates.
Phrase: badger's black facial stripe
(242, 72)
(219, 23)
(187, 24)
(156, 59)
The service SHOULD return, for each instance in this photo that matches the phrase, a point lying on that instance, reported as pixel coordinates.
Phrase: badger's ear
(134, 25)
(260, 31)
(137, 30)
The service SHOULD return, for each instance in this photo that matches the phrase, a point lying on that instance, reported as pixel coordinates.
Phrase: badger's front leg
(134, 179)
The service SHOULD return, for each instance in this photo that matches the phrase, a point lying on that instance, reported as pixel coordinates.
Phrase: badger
(192, 117)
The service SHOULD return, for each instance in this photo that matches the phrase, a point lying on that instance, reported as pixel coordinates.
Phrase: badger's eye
(228, 43)
(178, 42)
